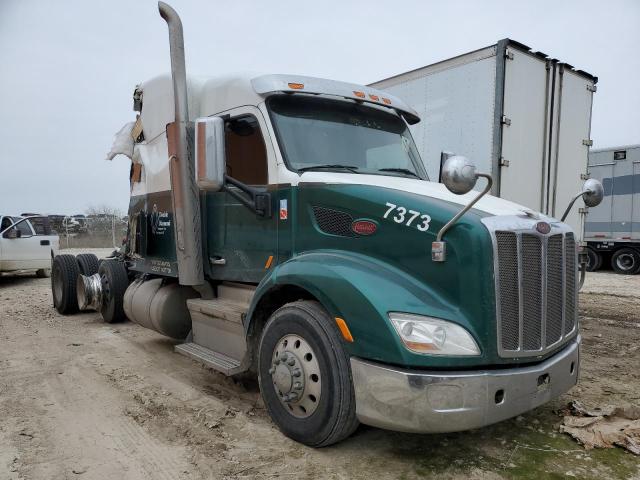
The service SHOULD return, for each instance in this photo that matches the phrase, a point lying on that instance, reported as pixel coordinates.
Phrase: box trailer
(284, 226)
(520, 115)
(612, 229)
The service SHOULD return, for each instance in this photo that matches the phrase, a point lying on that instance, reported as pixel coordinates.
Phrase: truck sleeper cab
(315, 220)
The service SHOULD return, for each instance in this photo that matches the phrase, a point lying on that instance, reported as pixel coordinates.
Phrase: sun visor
(269, 84)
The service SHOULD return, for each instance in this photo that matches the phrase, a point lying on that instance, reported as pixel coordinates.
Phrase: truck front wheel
(626, 261)
(305, 375)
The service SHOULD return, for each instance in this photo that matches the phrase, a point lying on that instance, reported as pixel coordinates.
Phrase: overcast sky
(68, 68)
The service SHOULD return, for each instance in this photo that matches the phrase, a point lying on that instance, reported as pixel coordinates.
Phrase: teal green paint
(244, 239)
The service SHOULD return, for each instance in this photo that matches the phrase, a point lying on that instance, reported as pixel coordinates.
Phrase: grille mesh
(509, 294)
(536, 289)
(333, 222)
(570, 292)
(554, 286)
(531, 292)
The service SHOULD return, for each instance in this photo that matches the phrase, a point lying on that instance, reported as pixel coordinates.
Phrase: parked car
(23, 249)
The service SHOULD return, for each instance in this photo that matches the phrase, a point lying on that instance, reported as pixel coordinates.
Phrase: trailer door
(572, 132)
(598, 224)
(526, 85)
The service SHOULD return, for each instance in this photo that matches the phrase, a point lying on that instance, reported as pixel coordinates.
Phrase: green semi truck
(285, 226)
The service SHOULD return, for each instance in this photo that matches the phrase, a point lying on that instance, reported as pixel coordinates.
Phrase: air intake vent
(333, 222)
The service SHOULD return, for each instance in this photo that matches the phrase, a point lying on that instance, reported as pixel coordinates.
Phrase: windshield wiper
(330, 166)
(406, 171)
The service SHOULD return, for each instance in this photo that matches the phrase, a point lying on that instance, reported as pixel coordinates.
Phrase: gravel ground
(85, 400)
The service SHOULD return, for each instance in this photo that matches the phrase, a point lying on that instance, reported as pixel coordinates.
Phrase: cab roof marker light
(359, 94)
(386, 100)
(295, 86)
(375, 98)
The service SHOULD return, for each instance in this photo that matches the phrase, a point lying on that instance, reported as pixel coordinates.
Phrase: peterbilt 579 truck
(285, 226)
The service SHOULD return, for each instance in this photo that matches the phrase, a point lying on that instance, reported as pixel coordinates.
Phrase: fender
(362, 290)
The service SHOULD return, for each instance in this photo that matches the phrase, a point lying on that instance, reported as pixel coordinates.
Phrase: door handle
(218, 261)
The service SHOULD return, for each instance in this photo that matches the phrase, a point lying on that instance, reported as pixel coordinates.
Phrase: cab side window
(246, 154)
(6, 223)
(25, 229)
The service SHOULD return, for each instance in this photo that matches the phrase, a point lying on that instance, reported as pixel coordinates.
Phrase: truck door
(241, 242)
(23, 252)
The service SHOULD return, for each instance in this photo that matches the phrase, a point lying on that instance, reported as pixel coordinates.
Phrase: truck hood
(488, 204)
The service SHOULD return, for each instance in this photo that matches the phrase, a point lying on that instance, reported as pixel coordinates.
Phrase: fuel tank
(160, 306)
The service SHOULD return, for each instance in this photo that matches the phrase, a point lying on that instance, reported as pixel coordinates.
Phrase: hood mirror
(459, 174)
(592, 194)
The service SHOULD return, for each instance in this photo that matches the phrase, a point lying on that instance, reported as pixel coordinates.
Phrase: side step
(217, 327)
(218, 361)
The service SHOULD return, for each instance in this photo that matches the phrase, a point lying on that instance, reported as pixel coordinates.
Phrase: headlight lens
(433, 336)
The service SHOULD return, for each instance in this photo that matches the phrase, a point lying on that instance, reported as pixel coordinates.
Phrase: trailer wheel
(88, 264)
(114, 280)
(305, 375)
(594, 260)
(64, 272)
(626, 261)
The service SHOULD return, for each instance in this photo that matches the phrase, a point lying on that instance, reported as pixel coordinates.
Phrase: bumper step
(215, 360)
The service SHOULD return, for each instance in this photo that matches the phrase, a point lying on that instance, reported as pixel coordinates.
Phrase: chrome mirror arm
(573, 200)
(438, 248)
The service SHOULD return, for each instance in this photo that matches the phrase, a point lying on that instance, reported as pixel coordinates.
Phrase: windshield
(324, 134)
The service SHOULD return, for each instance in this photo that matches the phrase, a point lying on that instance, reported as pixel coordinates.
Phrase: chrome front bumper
(431, 402)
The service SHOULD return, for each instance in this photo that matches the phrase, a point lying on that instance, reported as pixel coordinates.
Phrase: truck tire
(594, 260)
(87, 263)
(626, 261)
(114, 280)
(64, 272)
(305, 375)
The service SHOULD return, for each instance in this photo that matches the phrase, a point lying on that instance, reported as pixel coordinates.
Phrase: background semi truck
(520, 115)
(285, 226)
(612, 229)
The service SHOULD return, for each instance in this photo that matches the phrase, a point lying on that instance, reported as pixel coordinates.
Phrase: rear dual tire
(323, 410)
(64, 272)
(114, 280)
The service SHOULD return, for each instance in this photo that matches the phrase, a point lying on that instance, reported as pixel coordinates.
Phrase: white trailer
(612, 229)
(519, 115)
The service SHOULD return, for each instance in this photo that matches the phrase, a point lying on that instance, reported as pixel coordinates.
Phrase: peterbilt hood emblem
(543, 227)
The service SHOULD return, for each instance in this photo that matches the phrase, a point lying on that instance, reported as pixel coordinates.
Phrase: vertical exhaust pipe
(184, 191)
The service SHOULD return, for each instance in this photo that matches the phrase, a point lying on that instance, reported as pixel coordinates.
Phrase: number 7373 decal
(408, 217)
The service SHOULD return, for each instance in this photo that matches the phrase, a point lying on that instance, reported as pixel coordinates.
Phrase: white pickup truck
(24, 249)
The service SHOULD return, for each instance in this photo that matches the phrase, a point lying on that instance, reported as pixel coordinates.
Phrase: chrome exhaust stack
(89, 292)
(184, 191)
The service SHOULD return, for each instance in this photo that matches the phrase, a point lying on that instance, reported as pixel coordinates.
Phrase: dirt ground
(80, 399)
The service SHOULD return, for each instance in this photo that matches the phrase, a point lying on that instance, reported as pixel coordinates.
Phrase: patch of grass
(527, 449)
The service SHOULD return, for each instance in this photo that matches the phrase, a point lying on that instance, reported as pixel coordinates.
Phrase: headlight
(433, 336)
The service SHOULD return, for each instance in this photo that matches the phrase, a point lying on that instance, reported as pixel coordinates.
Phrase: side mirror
(12, 233)
(592, 192)
(210, 153)
(459, 174)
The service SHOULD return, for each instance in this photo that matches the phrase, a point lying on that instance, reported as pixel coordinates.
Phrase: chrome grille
(535, 290)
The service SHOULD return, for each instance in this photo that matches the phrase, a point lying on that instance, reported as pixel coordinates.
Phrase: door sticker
(284, 212)
(408, 217)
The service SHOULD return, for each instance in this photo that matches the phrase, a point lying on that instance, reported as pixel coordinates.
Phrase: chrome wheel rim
(295, 374)
(625, 261)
